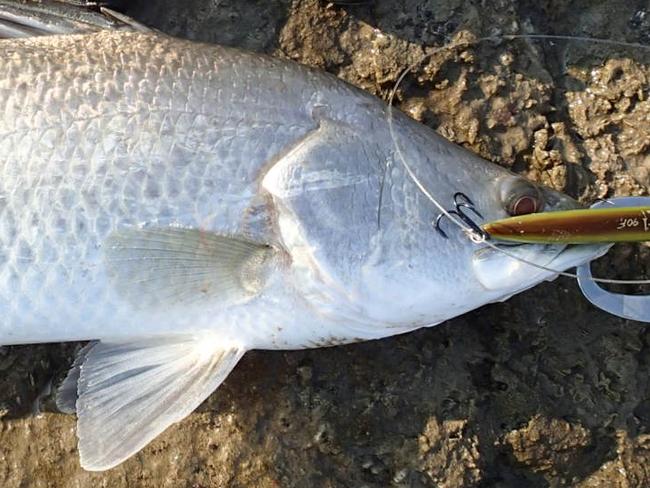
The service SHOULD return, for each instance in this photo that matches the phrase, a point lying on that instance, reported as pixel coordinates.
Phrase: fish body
(160, 133)
(110, 131)
(182, 203)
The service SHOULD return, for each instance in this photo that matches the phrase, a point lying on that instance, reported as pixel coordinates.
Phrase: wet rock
(550, 446)
(450, 454)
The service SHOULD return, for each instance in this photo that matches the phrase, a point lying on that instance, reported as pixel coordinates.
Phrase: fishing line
(467, 230)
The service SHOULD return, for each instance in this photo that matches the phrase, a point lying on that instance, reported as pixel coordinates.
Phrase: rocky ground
(543, 390)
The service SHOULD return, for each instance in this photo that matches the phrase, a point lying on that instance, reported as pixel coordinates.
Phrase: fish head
(507, 269)
(428, 268)
(361, 230)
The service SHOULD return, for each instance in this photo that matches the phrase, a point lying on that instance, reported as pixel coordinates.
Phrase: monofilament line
(473, 235)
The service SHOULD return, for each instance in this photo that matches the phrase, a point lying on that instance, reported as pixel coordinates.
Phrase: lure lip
(578, 226)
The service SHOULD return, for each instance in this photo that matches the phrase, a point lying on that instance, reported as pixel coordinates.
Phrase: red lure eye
(524, 205)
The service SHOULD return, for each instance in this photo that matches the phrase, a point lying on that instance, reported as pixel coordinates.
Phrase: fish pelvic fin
(130, 392)
(66, 393)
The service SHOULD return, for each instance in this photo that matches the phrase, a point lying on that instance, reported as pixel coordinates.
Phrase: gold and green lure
(623, 219)
(582, 226)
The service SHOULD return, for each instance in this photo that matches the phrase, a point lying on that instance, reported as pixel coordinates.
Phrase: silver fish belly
(182, 203)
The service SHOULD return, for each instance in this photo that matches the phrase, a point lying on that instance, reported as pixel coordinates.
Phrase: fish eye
(520, 197)
(525, 204)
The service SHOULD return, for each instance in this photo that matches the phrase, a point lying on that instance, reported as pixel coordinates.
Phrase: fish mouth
(514, 268)
(508, 268)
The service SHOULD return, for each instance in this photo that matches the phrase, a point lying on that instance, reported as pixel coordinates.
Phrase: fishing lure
(624, 219)
(608, 223)
(633, 307)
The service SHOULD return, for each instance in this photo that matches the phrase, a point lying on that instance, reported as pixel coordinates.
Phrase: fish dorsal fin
(178, 266)
(129, 392)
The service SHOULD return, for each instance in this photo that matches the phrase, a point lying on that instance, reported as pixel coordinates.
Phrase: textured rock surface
(542, 390)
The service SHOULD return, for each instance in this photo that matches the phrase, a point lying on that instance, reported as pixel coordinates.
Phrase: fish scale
(108, 150)
(170, 132)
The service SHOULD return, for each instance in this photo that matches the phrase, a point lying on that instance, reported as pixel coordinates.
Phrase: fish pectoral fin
(168, 266)
(129, 392)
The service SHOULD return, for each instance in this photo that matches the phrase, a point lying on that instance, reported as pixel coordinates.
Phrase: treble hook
(461, 202)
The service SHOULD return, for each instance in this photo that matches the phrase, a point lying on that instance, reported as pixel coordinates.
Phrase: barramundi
(178, 204)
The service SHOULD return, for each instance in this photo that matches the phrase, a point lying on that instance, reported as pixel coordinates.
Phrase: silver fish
(178, 204)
